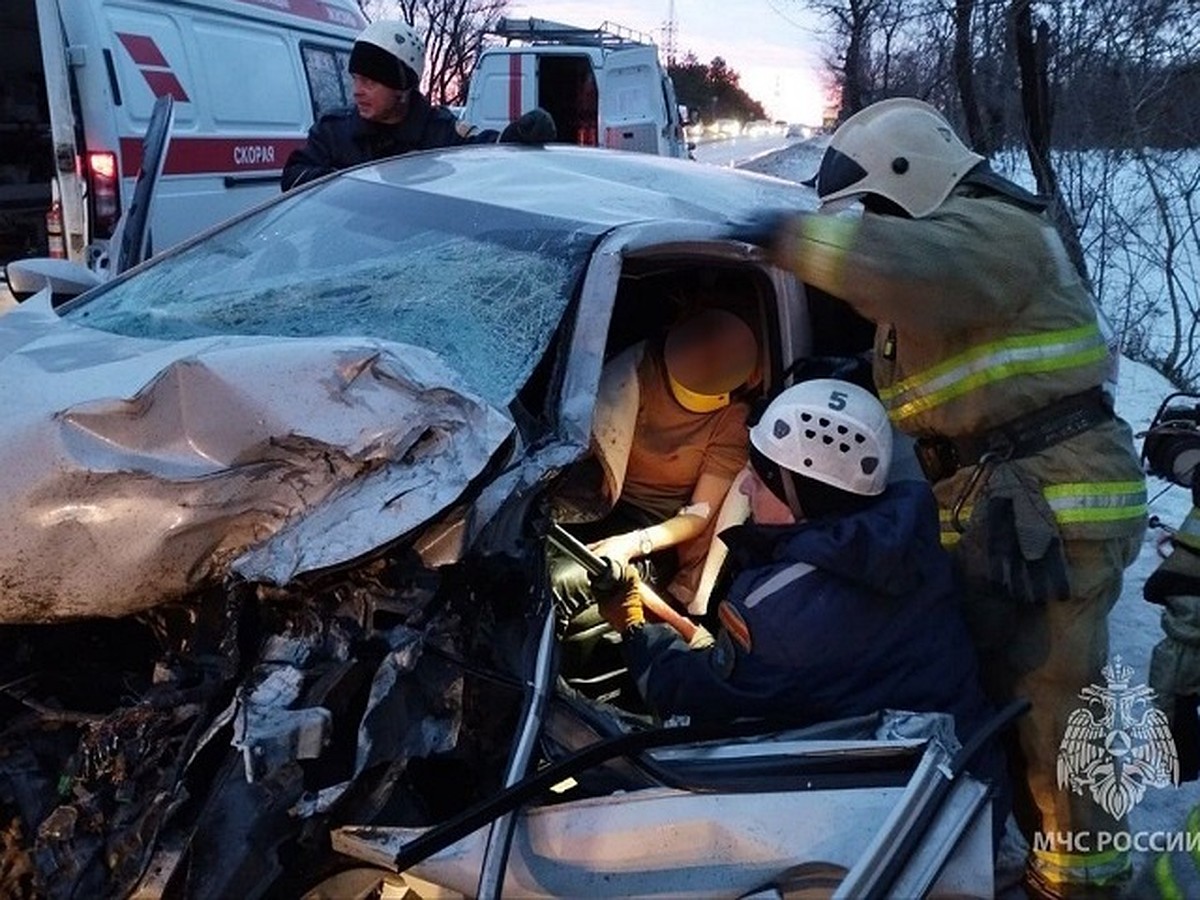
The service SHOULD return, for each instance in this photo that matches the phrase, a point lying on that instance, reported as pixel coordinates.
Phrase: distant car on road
(728, 127)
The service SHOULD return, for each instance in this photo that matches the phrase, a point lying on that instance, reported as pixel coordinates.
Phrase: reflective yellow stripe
(1052, 351)
(1114, 859)
(1168, 889)
(951, 535)
(1189, 531)
(1097, 501)
(1091, 869)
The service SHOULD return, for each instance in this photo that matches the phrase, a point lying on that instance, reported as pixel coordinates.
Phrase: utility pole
(670, 29)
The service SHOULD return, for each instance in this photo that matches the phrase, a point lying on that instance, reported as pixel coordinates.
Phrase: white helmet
(901, 149)
(382, 45)
(828, 430)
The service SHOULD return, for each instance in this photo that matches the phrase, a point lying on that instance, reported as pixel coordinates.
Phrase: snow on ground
(1134, 623)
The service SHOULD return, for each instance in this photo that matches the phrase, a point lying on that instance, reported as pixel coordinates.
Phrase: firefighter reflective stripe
(1080, 869)
(1189, 531)
(1082, 502)
(1177, 873)
(1051, 351)
(951, 535)
(1169, 887)
(1110, 501)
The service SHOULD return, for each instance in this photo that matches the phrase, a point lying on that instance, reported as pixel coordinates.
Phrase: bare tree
(1100, 98)
(852, 24)
(885, 48)
(1033, 47)
(1134, 190)
(453, 30)
(964, 75)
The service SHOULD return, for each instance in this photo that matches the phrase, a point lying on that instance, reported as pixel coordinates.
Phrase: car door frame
(576, 401)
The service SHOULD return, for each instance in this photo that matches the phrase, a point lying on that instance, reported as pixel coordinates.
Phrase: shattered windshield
(482, 286)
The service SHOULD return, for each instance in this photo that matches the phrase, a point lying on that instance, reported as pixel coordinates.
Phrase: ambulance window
(329, 83)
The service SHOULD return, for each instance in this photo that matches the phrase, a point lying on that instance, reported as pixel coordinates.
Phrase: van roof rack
(544, 31)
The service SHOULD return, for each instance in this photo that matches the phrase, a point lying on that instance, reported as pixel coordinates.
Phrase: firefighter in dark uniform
(841, 600)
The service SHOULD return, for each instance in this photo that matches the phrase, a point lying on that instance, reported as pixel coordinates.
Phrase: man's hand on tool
(618, 596)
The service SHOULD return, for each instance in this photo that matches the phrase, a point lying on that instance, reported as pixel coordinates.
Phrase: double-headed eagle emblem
(1117, 755)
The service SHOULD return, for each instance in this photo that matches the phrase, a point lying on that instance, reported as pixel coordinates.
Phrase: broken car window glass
(483, 287)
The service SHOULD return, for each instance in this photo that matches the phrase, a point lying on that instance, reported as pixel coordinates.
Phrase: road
(734, 151)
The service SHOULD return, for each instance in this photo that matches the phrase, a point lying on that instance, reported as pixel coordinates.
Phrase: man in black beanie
(390, 115)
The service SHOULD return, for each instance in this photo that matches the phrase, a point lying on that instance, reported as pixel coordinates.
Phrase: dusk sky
(779, 61)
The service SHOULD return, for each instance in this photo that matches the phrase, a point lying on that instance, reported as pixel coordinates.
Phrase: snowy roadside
(1134, 623)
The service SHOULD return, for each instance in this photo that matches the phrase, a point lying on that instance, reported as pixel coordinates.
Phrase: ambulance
(604, 86)
(78, 84)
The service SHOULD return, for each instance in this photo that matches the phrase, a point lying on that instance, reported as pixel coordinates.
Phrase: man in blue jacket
(843, 601)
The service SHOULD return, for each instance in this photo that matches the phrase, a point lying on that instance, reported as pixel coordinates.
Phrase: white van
(78, 82)
(604, 86)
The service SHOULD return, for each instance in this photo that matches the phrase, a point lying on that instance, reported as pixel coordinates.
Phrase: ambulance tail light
(104, 188)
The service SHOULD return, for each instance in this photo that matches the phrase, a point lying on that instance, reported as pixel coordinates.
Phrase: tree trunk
(1033, 52)
(853, 90)
(964, 76)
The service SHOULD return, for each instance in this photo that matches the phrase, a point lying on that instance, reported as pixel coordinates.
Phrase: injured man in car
(840, 599)
(670, 437)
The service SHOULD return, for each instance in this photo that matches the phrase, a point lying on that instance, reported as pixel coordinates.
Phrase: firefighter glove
(1013, 548)
(765, 228)
(618, 594)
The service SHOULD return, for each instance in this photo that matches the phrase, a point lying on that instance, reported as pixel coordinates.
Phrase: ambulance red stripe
(314, 9)
(143, 50)
(164, 84)
(214, 156)
(514, 86)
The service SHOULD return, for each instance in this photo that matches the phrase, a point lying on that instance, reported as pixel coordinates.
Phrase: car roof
(601, 187)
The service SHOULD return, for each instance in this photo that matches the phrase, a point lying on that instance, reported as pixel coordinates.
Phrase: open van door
(69, 201)
(130, 242)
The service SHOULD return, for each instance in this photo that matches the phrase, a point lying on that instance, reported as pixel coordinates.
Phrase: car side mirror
(65, 279)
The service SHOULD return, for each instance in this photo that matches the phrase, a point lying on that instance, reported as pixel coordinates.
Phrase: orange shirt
(672, 447)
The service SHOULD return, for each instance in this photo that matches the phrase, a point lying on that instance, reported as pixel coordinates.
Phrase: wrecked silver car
(273, 592)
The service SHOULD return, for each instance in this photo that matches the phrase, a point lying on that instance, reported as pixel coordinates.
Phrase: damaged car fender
(264, 456)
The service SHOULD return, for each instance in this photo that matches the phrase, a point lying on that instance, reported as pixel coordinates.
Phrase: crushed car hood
(137, 471)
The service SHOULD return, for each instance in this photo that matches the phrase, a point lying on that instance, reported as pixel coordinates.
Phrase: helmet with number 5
(825, 430)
